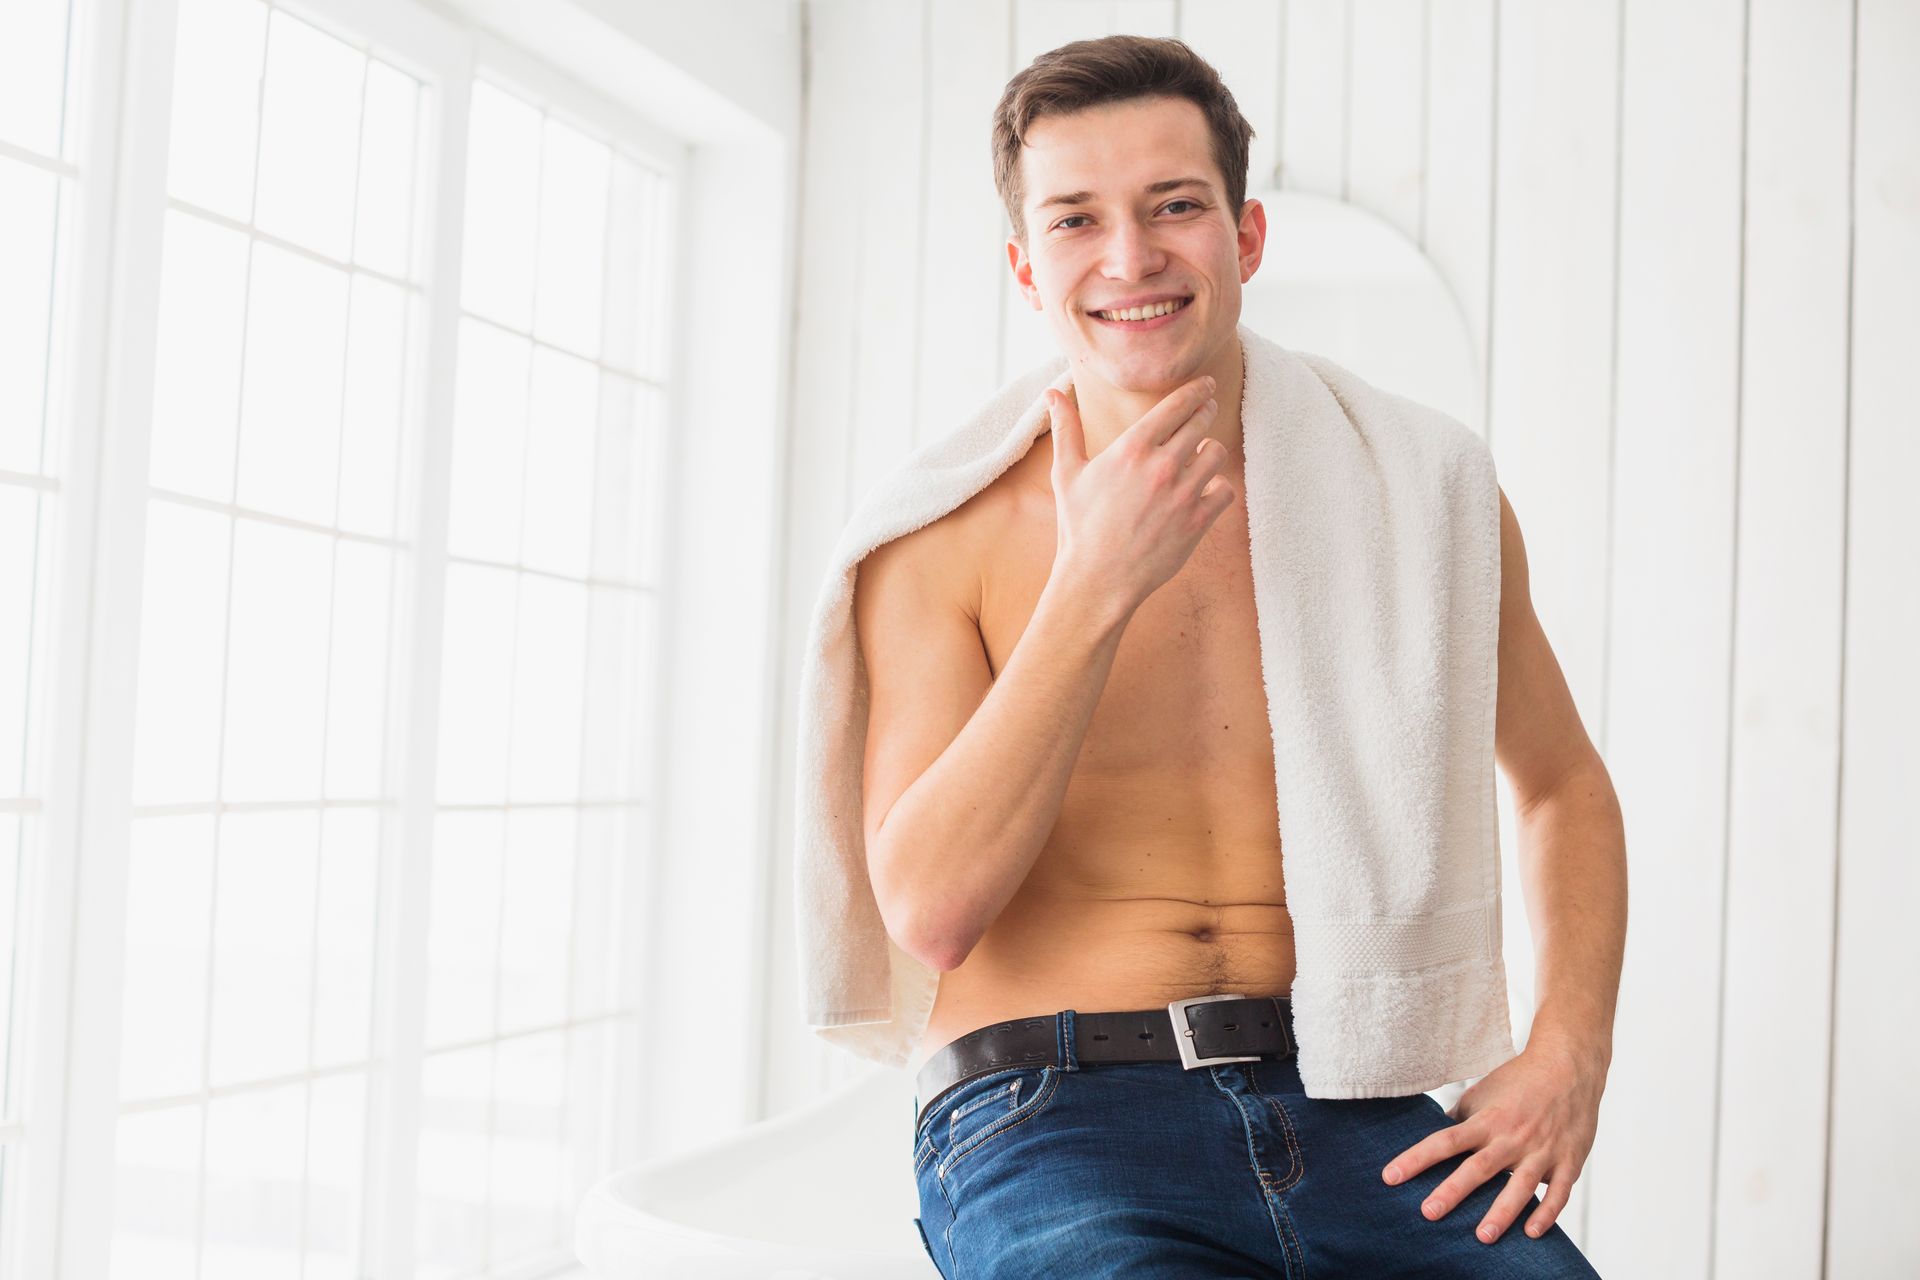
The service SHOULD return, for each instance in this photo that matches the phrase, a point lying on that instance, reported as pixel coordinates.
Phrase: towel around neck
(1374, 527)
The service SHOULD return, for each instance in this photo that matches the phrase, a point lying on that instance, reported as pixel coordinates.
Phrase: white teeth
(1143, 313)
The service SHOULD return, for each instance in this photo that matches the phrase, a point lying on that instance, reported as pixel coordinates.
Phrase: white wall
(1687, 240)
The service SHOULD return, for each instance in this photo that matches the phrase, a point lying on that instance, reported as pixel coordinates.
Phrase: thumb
(1069, 441)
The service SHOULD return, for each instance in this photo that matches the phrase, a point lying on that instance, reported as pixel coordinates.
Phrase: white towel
(1374, 523)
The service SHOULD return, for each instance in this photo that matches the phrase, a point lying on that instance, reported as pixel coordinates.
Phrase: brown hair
(1091, 73)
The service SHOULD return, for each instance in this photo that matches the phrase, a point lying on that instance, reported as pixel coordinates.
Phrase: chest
(1185, 691)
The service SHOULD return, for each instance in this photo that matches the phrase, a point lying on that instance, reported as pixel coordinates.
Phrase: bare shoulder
(949, 556)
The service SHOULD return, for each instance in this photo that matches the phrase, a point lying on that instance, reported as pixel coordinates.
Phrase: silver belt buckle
(1183, 1033)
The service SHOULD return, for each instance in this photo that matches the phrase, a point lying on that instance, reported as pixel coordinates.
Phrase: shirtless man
(1069, 774)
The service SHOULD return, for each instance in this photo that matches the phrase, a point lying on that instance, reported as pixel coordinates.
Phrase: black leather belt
(1197, 1032)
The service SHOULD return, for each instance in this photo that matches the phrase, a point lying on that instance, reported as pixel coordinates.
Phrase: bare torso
(1161, 877)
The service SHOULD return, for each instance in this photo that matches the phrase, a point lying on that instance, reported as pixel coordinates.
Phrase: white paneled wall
(1687, 241)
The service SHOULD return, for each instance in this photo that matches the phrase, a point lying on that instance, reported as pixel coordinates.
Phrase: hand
(1535, 1114)
(1129, 519)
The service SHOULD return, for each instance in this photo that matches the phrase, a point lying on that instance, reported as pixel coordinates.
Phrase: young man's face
(1120, 241)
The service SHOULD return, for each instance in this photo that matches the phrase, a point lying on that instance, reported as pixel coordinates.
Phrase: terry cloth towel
(1374, 524)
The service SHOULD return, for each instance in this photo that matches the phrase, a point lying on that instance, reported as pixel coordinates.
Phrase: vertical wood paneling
(887, 189)
(964, 264)
(1675, 441)
(1873, 1230)
(1550, 394)
(1313, 93)
(1770, 1170)
(1457, 232)
(1241, 39)
(1386, 135)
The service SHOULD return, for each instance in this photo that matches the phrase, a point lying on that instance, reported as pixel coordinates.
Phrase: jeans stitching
(998, 1127)
(1276, 1210)
(1286, 1122)
(1260, 1175)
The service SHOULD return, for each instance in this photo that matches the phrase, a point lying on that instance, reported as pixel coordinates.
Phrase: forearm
(964, 835)
(1573, 870)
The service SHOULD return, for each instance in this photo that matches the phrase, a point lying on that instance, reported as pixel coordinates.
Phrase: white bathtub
(822, 1192)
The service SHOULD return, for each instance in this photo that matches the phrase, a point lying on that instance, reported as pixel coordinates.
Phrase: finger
(1559, 1191)
(1432, 1149)
(1069, 440)
(1192, 430)
(1462, 1182)
(1507, 1205)
(1207, 460)
(1217, 497)
(1165, 418)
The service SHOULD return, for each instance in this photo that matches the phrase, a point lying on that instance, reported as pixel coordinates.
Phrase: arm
(964, 774)
(1537, 1113)
(1573, 860)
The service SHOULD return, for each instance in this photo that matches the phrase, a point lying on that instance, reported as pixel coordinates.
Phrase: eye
(1062, 224)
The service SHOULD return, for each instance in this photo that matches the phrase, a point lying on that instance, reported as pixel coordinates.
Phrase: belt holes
(1146, 1035)
(1234, 1026)
(1099, 1037)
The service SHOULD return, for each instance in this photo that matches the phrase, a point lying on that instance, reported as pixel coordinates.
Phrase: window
(396, 379)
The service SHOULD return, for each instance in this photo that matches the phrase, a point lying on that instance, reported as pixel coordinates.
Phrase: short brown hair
(1091, 73)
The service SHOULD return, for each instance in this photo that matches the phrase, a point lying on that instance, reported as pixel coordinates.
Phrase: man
(1069, 797)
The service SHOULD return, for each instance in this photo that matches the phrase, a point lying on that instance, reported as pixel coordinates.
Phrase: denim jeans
(1148, 1169)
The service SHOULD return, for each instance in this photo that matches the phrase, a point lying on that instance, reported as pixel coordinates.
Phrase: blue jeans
(1147, 1169)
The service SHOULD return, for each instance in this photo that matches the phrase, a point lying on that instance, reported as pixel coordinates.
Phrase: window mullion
(123, 185)
(391, 1185)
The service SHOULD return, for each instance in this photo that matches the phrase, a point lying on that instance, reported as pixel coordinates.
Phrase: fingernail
(1431, 1206)
(1393, 1177)
(1486, 1233)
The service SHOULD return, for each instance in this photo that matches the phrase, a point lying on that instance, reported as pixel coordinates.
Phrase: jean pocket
(995, 1104)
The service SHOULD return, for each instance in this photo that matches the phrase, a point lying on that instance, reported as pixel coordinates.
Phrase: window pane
(536, 915)
(169, 945)
(573, 227)
(560, 472)
(292, 387)
(489, 443)
(218, 54)
(262, 944)
(196, 388)
(451, 1220)
(503, 208)
(156, 1197)
(309, 137)
(29, 199)
(383, 226)
(33, 74)
(256, 1144)
(183, 640)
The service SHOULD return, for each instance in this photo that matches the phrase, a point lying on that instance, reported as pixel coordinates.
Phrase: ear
(1251, 241)
(1023, 272)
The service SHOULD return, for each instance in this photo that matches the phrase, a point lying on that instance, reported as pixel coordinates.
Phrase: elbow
(929, 938)
(919, 927)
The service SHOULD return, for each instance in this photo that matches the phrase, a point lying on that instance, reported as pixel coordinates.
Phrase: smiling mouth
(1136, 317)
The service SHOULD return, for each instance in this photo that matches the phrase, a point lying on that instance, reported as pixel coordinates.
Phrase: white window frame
(79, 903)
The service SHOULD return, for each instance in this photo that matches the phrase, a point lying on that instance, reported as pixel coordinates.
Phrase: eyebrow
(1153, 189)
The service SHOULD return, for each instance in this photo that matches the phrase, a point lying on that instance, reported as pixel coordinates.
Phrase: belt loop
(1063, 1041)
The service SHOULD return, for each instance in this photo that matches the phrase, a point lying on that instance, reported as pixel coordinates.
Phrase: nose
(1132, 253)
